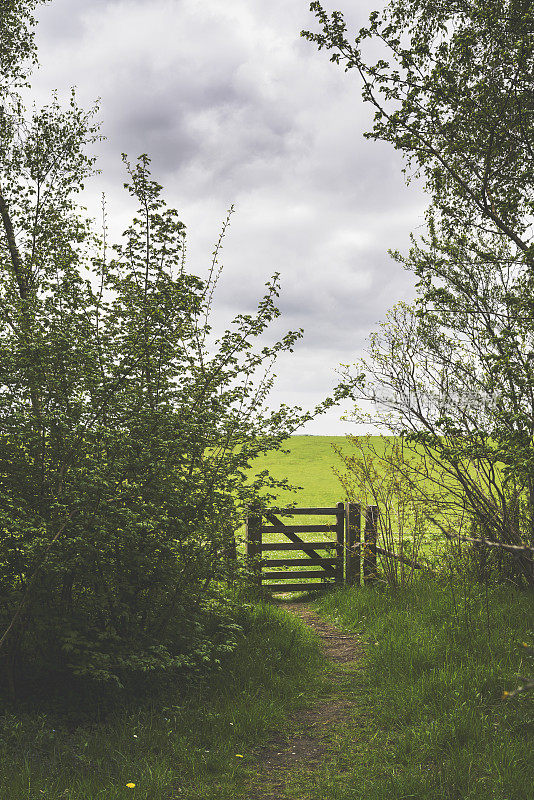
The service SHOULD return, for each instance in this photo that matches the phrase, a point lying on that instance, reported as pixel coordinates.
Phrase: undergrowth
(440, 655)
(192, 741)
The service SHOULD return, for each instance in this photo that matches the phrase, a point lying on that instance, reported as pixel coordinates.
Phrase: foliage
(439, 655)
(455, 98)
(126, 431)
(180, 742)
(392, 479)
(17, 50)
(454, 372)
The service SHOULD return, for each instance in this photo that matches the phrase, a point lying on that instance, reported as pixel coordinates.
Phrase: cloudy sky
(234, 107)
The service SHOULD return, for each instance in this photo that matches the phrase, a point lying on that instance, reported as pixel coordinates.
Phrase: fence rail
(513, 548)
(349, 565)
(329, 569)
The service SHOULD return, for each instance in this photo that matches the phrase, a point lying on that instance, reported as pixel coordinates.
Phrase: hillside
(309, 463)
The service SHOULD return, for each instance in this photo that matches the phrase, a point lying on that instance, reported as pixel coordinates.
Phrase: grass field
(427, 718)
(433, 723)
(309, 464)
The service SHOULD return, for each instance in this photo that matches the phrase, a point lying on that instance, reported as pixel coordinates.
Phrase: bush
(126, 429)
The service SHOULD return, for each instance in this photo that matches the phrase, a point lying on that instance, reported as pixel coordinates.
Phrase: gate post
(370, 535)
(253, 534)
(340, 546)
(353, 516)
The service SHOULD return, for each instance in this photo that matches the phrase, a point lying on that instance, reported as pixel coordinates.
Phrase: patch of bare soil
(308, 744)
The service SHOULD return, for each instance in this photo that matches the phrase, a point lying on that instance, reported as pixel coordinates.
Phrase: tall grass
(186, 743)
(440, 655)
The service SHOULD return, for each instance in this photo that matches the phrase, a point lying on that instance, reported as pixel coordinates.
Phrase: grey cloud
(233, 106)
(62, 20)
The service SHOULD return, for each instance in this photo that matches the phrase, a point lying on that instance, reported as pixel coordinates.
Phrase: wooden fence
(331, 566)
(348, 558)
(342, 564)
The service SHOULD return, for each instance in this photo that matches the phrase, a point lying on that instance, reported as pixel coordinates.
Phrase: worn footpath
(286, 761)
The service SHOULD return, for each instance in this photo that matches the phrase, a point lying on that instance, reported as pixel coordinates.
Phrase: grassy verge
(192, 743)
(430, 722)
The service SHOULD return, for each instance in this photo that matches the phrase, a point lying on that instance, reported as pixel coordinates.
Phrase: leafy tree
(454, 93)
(125, 433)
(17, 50)
(456, 99)
(389, 477)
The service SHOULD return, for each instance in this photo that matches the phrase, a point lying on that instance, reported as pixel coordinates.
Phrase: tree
(17, 47)
(455, 371)
(125, 435)
(456, 99)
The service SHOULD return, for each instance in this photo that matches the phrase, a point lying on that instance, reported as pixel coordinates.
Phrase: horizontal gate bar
(297, 546)
(303, 573)
(298, 528)
(297, 587)
(297, 562)
(332, 510)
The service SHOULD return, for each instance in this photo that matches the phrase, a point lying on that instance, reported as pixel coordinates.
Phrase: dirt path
(308, 745)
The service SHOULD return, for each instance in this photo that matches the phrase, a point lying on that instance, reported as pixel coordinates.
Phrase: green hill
(309, 463)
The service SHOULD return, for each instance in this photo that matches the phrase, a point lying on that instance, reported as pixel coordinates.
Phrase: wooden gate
(331, 565)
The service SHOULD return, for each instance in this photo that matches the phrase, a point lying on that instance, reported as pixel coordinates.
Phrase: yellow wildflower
(130, 785)
(238, 755)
